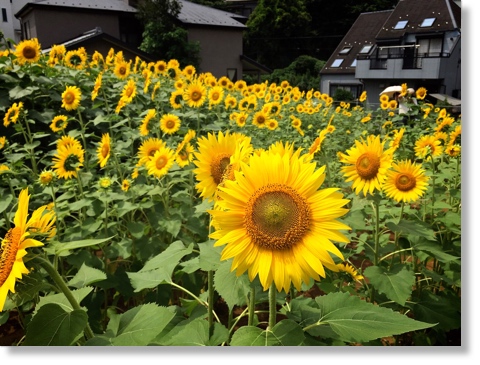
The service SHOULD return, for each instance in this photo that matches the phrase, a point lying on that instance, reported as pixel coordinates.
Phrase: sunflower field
(151, 204)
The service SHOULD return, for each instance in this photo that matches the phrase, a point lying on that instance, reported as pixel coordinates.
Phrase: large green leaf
(414, 228)
(196, 333)
(86, 276)
(5, 202)
(160, 268)
(435, 250)
(232, 288)
(396, 284)
(136, 327)
(355, 320)
(209, 256)
(62, 301)
(53, 326)
(62, 247)
(284, 333)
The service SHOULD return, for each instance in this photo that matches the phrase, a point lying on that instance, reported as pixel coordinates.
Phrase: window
(401, 24)
(366, 48)
(337, 62)
(4, 15)
(345, 50)
(427, 22)
(354, 63)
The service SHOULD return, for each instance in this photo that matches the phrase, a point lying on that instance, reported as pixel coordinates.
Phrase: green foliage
(343, 95)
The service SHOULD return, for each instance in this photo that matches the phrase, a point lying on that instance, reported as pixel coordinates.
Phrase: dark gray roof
(192, 13)
(112, 5)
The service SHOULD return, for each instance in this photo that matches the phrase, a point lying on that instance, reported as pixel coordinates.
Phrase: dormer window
(401, 24)
(337, 62)
(427, 22)
(354, 63)
(366, 48)
(345, 50)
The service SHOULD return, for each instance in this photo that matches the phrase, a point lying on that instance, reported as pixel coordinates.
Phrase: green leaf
(284, 333)
(160, 268)
(86, 276)
(136, 327)
(61, 247)
(414, 228)
(396, 284)
(62, 301)
(53, 326)
(196, 333)
(435, 251)
(5, 202)
(18, 92)
(355, 320)
(232, 288)
(209, 255)
(136, 229)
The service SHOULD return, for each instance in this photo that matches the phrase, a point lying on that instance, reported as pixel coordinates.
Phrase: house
(417, 43)
(219, 33)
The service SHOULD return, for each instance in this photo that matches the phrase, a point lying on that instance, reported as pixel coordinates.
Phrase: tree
(163, 37)
(271, 28)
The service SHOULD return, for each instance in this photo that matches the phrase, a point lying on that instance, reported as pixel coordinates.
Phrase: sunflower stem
(272, 307)
(377, 242)
(210, 302)
(251, 306)
(62, 286)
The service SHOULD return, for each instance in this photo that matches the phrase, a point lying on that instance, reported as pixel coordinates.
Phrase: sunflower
(363, 96)
(103, 150)
(97, 86)
(68, 160)
(230, 102)
(367, 165)
(169, 123)
(71, 98)
(14, 245)
(296, 122)
(160, 67)
(144, 128)
(125, 185)
(421, 93)
(271, 124)
(349, 269)
(213, 160)
(3, 142)
(184, 154)
(405, 182)
(76, 59)
(392, 104)
(129, 91)
(276, 223)
(59, 123)
(259, 119)
(384, 98)
(241, 119)
(122, 69)
(195, 94)
(65, 141)
(176, 98)
(12, 114)
(161, 162)
(4, 168)
(189, 71)
(453, 150)
(105, 182)
(215, 95)
(28, 51)
(46, 177)
(428, 146)
(147, 149)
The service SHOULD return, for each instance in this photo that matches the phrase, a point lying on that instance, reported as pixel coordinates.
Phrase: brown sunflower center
(105, 150)
(122, 70)
(161, 162)
(129, 91)
(368, 165)
(170, 124)
(215, 96)
(219, 166)
(277, 217)
(405, 182)
(261, 119)
(71, 163)
(196, 96)
(69, 98)
(29, 52)
(8, 253)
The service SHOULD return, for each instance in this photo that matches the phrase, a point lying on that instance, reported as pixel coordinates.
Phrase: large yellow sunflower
(161, 162)
(122, 69)
(147, 149)
(169, 123)
(215, 95)
(103, 150)
(97, 86)
(129, 91)
(71, 98)
(76, 59)
(28, 51)
(184, 154)
(428, 146)
(68, 160)
(213, 160)
(405, 182)
(195, 94)
(276, 223)
(59, 123)
(367, 165)
(17, 240)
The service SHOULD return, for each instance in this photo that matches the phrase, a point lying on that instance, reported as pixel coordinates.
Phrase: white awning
(450, 100)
